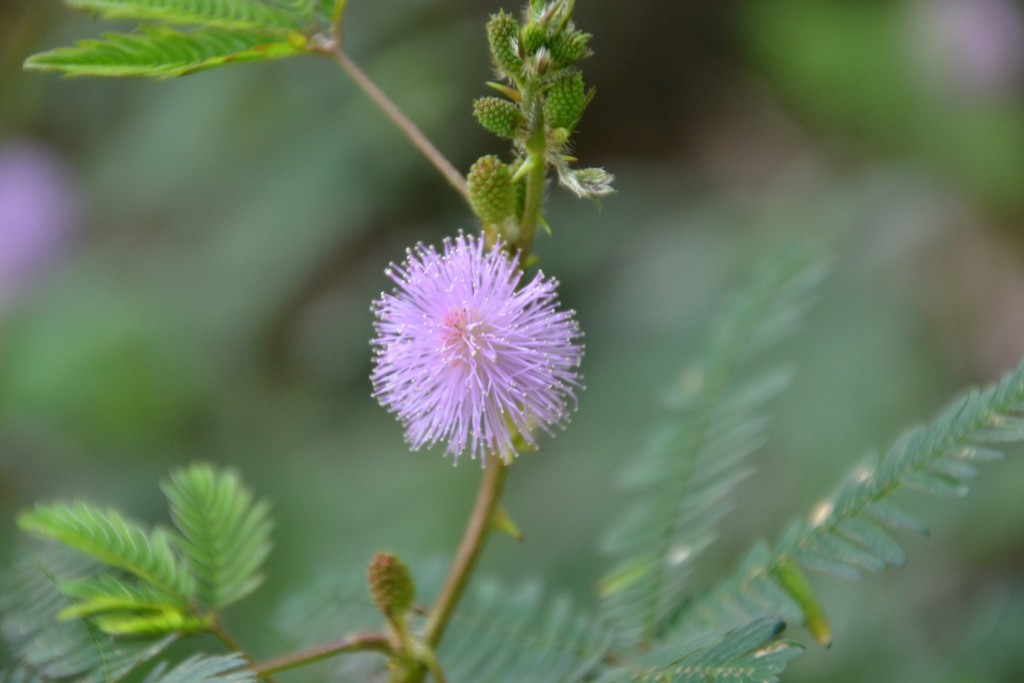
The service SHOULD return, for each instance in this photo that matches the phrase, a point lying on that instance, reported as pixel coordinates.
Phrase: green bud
(391, 587)
(569, 47)
(490, 190)
(502, 36)
(533, 38)
(559, 136)
(499, 116)
(565, 101)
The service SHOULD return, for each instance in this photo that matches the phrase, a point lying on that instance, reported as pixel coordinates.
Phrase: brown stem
(376, 642)
(469, 550)
(391, 110)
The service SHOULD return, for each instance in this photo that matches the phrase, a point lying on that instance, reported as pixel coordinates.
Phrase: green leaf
(509, 636)
(683, 486)
(243, 15)
(105, 593)
(119, 608)
(843, 535)
(226, 535)
(936, 484)
(113, 540)
(895, 517)
(750, 654)
(925, 459)
(337, 10)
(29, 603)
(161, 52)
(204, 669)
(870, 536)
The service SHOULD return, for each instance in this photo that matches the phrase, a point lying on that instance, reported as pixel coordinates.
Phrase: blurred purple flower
(977, 45)
(37, 213)
(464, 357)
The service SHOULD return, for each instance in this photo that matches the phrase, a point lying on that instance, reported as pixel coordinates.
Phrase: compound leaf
(113, 540)
(226, 14)
(225, 533)
(160, 52)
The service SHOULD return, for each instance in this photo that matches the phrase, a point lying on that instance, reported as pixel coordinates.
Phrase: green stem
(332, 48)
(357, 642)
(536, 161)
(336, 12)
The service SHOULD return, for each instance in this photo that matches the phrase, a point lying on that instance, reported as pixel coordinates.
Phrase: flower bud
(391, 587)
(499, 116)
(569, 47)
(503, 36)
(533, 38)
(566, 99)
(490, 190)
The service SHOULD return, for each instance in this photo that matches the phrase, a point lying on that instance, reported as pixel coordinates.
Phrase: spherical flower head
(467, 357)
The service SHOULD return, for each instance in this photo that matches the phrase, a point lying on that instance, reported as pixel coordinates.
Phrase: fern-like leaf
(161, 52)
(848, 533)
(204, 669)
(226, 534)
(118, 607)
(106, 592)
(113, 540)
(750, 654)
(242, 15)
(52, 649)
(504, 636)
(684, 485)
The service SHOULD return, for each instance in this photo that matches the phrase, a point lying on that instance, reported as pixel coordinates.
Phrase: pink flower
(465, 356)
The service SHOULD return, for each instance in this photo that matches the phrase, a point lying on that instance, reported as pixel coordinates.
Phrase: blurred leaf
(843, 535)
(508, 636)
(750, 654)
(684, 485)
(55, 649)
(204, 669)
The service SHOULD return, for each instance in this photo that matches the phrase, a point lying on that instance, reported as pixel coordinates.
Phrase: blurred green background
(186, 270)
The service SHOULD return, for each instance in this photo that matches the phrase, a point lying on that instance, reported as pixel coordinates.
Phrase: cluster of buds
(543, 97)
(546, 43)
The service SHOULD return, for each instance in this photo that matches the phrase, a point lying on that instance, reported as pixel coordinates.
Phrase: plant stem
(391, 110)
(537, 164)
(377, 642)
(477, 529)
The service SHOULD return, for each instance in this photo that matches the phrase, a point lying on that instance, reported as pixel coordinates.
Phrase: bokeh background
(186, 270)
